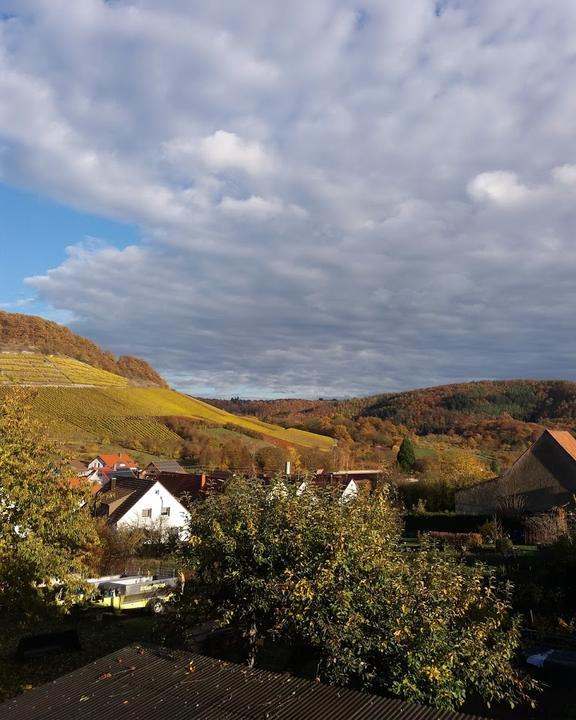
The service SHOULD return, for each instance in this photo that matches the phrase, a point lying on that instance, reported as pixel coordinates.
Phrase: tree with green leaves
(406, 457)
(274, 561)
(46, 531)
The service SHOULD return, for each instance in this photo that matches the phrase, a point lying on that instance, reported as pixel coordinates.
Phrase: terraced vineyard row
(82, 374)
(28, 368)
(83, 402)
(118, 413)
(32, 369)
(125, 429)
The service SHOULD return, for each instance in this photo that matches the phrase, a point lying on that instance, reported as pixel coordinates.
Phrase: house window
(147, 512)
(165, 511)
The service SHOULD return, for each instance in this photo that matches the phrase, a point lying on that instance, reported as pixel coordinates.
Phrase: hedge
(415, 523)
(469, 541)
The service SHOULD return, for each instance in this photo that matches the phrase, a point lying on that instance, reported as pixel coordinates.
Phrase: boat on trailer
(130, 592)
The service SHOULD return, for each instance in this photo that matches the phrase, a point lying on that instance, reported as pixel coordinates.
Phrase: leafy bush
(491, 531)
(335, 578)
(504, 545)
(466, 541)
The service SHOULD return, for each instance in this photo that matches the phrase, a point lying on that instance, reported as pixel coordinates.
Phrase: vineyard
(121, 414)
(33, 369)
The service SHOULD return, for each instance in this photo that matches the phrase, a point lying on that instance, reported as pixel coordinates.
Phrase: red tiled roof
(110, 460)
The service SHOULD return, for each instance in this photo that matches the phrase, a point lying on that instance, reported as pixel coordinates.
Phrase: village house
(78, 467)
(345, 489)
(162, 466)
(541, 479)
(186, 487)
(114, 461)
(347, 483)
(128, 502)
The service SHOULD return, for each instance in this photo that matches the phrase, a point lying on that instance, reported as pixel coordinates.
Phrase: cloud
(258, 207)
(19, 303)
(225, 150)
(565, 174)
(331, 200)
(505, 189)
(500, 187)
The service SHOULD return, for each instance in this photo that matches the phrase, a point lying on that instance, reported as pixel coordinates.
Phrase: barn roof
(151, 682)
(171, 466)
(566, 440)
(544, 476)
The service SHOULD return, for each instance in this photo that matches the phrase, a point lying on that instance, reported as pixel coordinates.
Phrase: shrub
(467, 541)
(504, 545)
(334, 578)
(491, 531)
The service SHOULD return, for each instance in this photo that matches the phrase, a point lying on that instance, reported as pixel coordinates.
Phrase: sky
(303, 199)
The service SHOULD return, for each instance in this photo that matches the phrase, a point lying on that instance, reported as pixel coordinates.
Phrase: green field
(83, 404)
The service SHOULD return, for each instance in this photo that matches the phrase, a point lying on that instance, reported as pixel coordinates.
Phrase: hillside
(493, 415)
(448, 407)
(431, 410)
(34, 334)
(32, 369)
(83, 404)
(88, 397)
(130, 416)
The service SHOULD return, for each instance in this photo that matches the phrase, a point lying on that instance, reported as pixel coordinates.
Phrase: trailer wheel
(156, 606)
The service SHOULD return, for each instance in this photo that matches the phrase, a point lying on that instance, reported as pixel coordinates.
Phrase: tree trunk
(252, 642)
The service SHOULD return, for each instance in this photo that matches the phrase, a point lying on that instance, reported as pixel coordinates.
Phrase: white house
(116, 461)
(144, 503)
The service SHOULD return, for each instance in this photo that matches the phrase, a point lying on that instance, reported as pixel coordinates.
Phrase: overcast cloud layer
(334, 198)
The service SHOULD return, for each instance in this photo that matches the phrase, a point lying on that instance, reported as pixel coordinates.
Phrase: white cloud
(19, 303)
(500, 187)
(225, 150)
(565, 174)
(331, 201)
(254, 205)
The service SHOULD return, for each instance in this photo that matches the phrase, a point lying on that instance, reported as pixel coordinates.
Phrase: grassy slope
(85, 403)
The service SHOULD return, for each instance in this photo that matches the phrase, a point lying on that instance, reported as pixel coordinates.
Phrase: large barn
(543, 478)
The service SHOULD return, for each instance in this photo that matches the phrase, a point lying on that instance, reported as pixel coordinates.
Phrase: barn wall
(543, 477)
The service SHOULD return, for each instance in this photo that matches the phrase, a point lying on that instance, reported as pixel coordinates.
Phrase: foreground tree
(46, 532)
(307, 567)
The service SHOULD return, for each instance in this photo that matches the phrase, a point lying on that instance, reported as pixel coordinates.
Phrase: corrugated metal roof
(140, 683)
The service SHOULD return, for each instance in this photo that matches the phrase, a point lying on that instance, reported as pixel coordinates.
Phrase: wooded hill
(493, 412)
(438, 409)
(34, 334)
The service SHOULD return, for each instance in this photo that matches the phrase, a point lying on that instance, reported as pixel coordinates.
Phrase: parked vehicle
(132, 592)
(554, 660)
